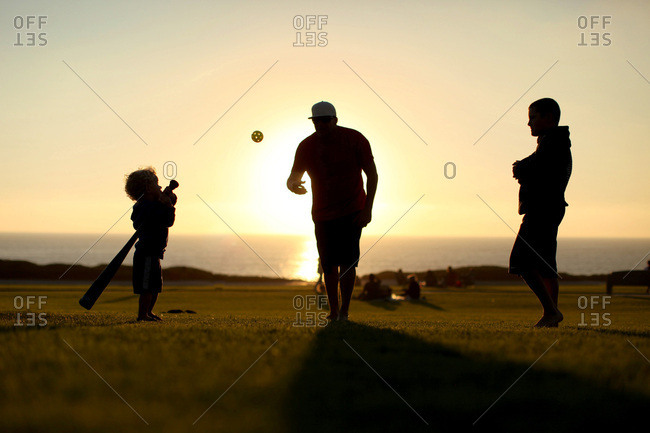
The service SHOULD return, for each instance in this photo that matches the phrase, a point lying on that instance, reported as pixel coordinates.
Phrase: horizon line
(309, 235)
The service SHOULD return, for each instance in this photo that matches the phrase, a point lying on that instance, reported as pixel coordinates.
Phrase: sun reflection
(306, 267)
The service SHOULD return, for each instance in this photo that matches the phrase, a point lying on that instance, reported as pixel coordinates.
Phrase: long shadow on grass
(334, 390)
(641, 334)
(383, 303)
(425, 303)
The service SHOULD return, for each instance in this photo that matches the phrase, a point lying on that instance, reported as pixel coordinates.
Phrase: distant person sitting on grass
(413, 289)
(372, 289)
(153, 214)
(543, 177)
(451, 278)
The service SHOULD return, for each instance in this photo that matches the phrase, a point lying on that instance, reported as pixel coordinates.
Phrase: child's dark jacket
(152, 219)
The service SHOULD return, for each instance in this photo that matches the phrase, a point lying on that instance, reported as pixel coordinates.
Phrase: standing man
(334, 157)
(543, 177)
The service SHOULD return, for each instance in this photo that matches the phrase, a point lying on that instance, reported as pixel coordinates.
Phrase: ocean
(296, 256)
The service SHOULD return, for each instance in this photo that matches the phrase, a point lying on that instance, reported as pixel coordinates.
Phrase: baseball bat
(97, 287)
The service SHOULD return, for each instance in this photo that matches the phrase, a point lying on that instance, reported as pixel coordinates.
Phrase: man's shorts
(535, 248)
(338, 242)
(147, 274)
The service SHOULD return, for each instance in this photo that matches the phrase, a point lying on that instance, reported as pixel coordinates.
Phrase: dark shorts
(338, 242)
(147, 274)
(535, 248)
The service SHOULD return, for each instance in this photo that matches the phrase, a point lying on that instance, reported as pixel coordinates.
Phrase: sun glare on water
(306, 265)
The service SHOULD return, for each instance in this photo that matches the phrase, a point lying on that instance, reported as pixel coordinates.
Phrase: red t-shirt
(334, 165)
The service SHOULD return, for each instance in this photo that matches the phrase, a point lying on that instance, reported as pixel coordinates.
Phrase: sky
(440, 89)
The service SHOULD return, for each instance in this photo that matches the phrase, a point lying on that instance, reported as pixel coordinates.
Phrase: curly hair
(136, 182)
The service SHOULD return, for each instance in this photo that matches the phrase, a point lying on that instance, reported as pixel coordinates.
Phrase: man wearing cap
(334, 157)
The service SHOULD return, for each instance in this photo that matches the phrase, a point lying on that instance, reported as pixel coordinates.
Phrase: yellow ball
(257, 136)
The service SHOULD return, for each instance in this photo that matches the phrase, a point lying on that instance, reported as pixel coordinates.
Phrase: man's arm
(524, 169)
(294, 183)
(371, 185)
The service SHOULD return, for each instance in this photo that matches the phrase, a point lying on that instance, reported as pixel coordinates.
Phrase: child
(152, 214)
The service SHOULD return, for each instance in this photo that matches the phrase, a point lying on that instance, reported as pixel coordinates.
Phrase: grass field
(240, 364)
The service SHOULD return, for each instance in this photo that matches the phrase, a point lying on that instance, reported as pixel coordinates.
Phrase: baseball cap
(323, 109)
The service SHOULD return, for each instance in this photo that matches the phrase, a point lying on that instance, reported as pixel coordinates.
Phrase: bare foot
(146, 319)
(154, 317)
(550, 321)
(332, 316)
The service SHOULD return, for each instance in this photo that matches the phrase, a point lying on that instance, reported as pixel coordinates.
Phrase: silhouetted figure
(319, 287)
(334, 158)
(430, 279)
(413, 289)
(451, 278)
(372, 289)
(543, 177)
(153, 214)
(647, 268)
(400, 278)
